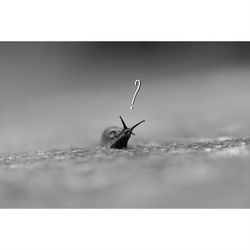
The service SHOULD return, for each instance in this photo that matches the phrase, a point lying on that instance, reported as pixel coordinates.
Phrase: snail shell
(116, 137)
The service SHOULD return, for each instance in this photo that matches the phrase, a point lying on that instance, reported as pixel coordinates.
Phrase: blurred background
(56, 94)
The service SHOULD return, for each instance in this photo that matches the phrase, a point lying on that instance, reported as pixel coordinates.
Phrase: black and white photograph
(124, 124)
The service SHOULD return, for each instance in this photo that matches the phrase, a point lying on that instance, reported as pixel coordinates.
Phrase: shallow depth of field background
(65, 94)
(61, 95)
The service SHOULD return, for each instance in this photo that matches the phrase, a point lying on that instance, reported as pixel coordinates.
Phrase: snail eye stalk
(123, 123)
(136, 125)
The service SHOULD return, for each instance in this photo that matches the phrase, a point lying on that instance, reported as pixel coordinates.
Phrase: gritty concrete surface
(179, 174)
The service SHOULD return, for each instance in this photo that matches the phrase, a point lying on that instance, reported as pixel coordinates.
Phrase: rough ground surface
(209, 173)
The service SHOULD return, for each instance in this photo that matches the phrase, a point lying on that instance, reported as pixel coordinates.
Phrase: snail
(116, 137)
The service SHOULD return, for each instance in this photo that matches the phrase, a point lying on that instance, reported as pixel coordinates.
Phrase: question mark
(138, 84)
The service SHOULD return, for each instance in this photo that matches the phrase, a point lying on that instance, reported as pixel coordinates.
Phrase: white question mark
(138, 84)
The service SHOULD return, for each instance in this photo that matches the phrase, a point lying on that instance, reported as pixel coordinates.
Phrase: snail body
(116, 137)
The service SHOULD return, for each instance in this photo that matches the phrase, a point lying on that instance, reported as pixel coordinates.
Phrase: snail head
(125, 134)
(129, 131)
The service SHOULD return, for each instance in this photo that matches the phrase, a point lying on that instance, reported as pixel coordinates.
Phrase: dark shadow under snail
(116, 137)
